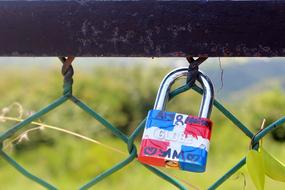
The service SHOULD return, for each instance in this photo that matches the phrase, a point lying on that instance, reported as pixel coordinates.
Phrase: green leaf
(255, 167)
(273, 167)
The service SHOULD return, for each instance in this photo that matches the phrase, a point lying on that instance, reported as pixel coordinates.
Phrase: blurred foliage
(123, 94)
(269, 105)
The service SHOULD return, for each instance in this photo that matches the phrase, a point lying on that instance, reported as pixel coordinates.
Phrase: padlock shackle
(208, 95)
(168, 81)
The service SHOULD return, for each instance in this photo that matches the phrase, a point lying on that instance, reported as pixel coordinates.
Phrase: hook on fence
(67, 71)
(193, 69)
(253, 143)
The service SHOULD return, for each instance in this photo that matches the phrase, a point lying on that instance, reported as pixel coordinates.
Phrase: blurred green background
(123, 90)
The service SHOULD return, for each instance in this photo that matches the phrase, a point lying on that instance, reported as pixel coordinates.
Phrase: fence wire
(67, 72)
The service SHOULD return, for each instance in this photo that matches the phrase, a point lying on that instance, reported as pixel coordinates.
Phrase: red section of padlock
(151, 151)
(196, 126)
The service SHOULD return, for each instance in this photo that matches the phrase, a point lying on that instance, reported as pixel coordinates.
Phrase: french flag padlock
(177, 140)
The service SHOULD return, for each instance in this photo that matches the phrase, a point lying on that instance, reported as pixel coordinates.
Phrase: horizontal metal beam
(142, 28)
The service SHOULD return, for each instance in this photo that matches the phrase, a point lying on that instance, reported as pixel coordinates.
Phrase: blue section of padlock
(194, 159)
(161, 119)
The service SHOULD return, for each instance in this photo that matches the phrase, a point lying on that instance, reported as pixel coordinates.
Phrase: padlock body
(175, 140)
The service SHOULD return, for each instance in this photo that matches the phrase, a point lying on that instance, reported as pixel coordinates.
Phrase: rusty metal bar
(144, 28)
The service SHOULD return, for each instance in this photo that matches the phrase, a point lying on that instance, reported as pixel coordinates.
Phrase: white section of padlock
(175, 138)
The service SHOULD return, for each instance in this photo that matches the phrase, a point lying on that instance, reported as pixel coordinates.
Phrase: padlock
(177, 140)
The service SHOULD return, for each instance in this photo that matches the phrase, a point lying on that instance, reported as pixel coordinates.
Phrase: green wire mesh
(128, 140)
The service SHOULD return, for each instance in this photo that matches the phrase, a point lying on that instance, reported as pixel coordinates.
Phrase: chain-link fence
(67, 72)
